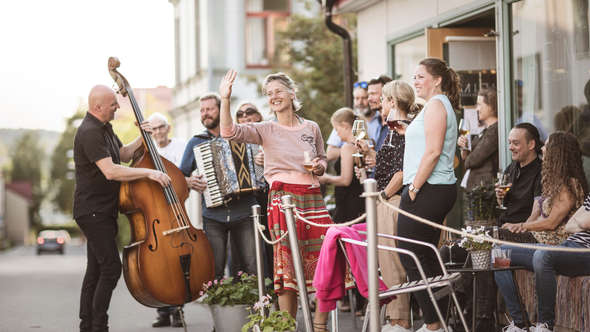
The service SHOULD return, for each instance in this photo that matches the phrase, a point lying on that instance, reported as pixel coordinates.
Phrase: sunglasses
(246, 112)
(361, 84)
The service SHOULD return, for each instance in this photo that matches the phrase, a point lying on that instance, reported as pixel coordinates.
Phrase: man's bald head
(102, 103)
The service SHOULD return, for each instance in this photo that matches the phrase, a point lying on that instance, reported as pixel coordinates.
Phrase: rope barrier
(346, 224)
(479, 237)
(261, 229)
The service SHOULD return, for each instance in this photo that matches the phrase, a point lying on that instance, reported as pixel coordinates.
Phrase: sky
(52, 52)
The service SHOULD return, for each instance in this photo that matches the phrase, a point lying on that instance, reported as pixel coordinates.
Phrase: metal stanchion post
(296, 255)
(259, 258)
(370, 195)
(335, 320)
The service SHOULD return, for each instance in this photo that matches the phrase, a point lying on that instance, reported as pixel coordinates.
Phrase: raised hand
(226, 83)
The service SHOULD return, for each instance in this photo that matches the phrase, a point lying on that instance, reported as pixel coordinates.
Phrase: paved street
(41, 293)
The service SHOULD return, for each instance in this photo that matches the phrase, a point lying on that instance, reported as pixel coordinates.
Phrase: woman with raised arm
(428, 174)
(294, 158)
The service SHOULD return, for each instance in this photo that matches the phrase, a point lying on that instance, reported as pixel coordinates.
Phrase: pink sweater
(329, 274)
(283, 148)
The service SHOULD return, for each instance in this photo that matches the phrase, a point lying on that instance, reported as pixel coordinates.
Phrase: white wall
(17, 218)
(387, 17)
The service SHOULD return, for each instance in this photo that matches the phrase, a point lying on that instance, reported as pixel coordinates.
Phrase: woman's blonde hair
(403, 95)
(285, 80)
(344, 114)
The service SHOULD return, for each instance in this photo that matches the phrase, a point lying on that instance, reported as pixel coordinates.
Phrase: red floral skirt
(310, 204)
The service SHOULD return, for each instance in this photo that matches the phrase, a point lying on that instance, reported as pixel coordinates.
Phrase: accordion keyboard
(204, 160)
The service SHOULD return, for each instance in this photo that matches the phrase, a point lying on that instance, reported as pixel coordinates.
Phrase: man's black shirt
(526, 185)
(95, 140)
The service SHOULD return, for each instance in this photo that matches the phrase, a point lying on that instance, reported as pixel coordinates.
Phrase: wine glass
(359, 129)
(450, 243)
(394, 122)
(464, 131)
(505, 185)
(308, 165)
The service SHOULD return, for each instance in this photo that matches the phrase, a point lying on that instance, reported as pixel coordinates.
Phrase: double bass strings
(171, 197)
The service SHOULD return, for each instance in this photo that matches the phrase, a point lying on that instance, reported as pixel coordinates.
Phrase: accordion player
(229, 169)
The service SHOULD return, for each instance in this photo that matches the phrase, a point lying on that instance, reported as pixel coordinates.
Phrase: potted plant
(480, 205)
(279, 321)
(229, 299)
(479, 249)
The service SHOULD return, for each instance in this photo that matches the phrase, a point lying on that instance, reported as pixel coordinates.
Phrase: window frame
(269, 15)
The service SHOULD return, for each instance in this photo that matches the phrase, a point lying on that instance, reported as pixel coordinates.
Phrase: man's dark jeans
(243, 250)
(103, 269)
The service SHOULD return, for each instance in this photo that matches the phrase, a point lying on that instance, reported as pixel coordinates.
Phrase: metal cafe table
(474, 273)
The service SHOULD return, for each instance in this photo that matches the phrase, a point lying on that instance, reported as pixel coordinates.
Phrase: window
(406, 56)
(263, 19)
(551, 67)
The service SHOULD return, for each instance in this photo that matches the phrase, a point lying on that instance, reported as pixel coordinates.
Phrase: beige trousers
(392, 271)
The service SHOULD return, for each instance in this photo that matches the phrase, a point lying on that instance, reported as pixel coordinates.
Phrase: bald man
(98, 153)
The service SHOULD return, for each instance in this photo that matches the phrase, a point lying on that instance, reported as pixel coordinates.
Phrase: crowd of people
(410, 150)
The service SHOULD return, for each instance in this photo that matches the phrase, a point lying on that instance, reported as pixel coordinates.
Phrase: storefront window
(406, 56)
(551, 67)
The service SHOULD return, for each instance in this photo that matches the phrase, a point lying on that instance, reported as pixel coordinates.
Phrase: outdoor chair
(444, 281)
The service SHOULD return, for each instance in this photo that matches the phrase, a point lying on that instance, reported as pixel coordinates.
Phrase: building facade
(539, 58)
(213, 36)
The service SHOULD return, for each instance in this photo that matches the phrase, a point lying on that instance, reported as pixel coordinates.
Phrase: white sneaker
(540, 327)
(394, 328)
(513, 328)
(425, 329)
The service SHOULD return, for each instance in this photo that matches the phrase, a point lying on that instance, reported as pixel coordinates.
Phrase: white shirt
(173, 151)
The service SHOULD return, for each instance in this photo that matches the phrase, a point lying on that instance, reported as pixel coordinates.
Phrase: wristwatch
(413, 189)
(384, 195)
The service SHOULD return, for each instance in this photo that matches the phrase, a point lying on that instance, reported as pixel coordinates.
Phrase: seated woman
(347, 189)
(564, 187)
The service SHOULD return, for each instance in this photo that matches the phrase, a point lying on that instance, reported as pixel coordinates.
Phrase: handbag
(579, 222)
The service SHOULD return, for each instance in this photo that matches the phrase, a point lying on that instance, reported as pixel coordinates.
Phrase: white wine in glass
(308, 165)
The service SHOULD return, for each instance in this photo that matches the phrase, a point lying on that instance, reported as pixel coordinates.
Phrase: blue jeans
(243, 250)
(546, 265)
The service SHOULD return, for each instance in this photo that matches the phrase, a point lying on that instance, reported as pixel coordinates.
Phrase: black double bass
(168, 260)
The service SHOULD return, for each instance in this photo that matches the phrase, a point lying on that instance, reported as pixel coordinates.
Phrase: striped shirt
(582, 238)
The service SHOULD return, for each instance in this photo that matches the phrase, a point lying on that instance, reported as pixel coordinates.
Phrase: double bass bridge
(175, 230)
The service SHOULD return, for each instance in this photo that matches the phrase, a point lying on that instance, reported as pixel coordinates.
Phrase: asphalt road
(41, 293)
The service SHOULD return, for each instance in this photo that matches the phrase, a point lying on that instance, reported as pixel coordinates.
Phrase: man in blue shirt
(232, 218)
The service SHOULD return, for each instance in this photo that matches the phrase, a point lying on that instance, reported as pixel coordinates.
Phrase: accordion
(229, 169)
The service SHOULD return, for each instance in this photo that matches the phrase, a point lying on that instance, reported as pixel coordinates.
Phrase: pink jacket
(330, 271)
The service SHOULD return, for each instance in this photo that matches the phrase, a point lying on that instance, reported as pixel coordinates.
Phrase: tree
(62, 165)
(316, 58)
(26, 166)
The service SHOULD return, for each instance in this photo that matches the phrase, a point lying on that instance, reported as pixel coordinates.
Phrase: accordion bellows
(228, 168)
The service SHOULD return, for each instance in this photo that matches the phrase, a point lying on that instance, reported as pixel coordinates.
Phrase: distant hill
(47, 140)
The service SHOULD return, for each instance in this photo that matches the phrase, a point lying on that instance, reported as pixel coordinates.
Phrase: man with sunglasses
(169, 148)
(361, 107)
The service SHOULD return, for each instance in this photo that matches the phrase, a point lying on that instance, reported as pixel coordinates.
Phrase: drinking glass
(505, 185)
(394, 122)
(308, 165)
(464, 131)
(359, 129)
(450, 243)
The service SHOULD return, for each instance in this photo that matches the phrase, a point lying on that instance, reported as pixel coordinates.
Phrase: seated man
(548, 264)
(524, 173)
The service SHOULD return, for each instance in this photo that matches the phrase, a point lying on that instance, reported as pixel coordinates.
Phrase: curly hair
(562, 163)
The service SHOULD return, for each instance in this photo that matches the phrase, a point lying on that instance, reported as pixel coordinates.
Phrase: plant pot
(256, 328)
(481, 259)
(229, 317)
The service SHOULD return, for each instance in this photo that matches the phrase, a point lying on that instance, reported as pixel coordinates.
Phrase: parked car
(52, 240)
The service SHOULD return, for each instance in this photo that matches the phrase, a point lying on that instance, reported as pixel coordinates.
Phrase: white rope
(346, 224)
(479, 237)
(261, 229)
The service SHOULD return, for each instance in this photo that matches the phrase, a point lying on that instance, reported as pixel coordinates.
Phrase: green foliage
(480, 203)
(316, 64)
(62, 179)
(26, 166)
(276, 321)
(231, 291)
